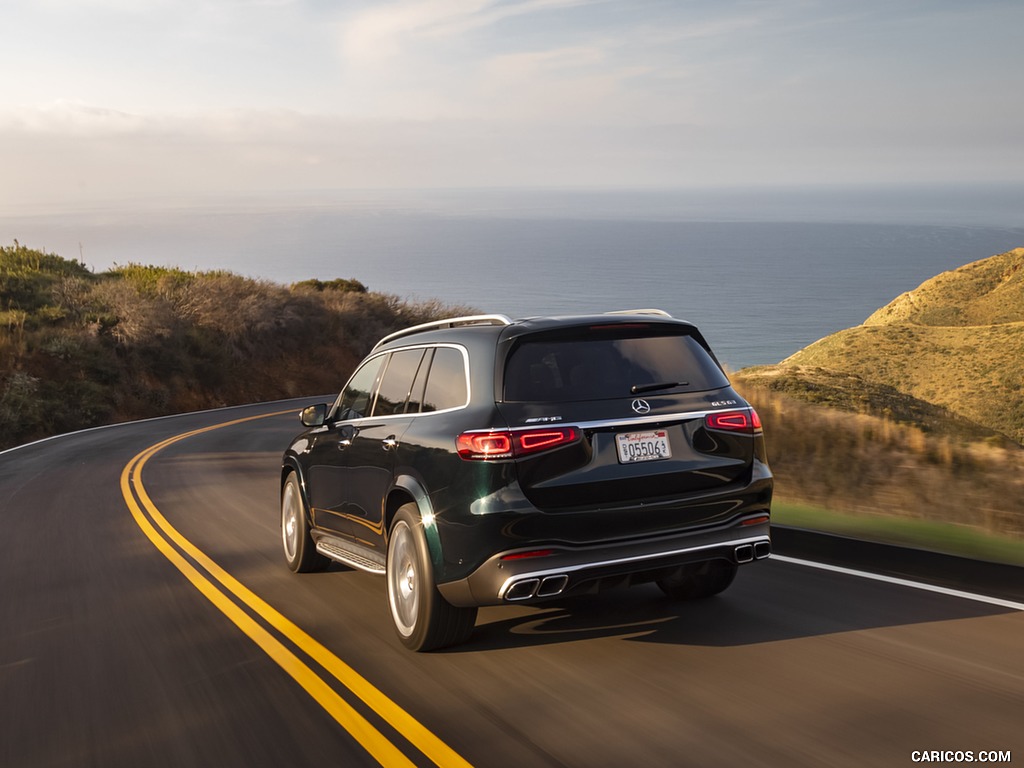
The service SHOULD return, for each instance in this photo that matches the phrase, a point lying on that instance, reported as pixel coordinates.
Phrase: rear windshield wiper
(636, 389)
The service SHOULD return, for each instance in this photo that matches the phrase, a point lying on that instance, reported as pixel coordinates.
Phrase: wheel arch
(408, 489)
(288, 466)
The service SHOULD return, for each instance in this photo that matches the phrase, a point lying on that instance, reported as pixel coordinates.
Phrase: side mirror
(314, 415)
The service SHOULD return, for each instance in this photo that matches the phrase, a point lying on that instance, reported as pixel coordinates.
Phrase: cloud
(69, 118)
(223, 96)
(382, 33)
(385, 32)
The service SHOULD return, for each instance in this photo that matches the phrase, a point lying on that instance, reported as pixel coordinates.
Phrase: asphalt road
(117, 652)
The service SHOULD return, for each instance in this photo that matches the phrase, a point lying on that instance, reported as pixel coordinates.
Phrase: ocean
(763, 272)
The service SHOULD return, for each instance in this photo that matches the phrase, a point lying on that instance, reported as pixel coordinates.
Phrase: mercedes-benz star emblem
(641, 406)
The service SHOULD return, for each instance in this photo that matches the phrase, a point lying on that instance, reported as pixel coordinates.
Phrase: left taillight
(504, 444)
(734, 421)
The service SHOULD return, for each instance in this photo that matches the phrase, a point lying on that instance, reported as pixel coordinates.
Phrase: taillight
(481, 446)
(484, 445)
(542, 439)
(734, 421)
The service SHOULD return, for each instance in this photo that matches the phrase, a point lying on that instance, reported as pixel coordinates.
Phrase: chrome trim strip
(465, 369)
(624, 422)
(629, 421)
(731, 545)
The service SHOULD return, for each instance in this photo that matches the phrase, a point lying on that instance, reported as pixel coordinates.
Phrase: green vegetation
(79, 349)
(340, 284)
(947, 538)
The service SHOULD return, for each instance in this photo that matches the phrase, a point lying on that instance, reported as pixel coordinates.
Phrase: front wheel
(698, 580)
(423, 619)
(299, 549)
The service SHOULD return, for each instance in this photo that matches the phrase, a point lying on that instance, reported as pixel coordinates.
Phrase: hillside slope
(955, 342)
(79, 349)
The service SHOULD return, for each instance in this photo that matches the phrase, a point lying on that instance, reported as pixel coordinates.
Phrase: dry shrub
(144, 341)
(870, 465)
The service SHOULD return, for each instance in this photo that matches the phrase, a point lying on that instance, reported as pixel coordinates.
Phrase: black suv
(480, 461)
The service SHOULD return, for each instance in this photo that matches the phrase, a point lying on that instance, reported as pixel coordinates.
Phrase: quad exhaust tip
(550, 586)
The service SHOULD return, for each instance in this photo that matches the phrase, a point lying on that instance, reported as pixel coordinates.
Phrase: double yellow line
(174, 547)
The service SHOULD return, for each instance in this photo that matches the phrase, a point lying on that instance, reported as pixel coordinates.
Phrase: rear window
(597, 365)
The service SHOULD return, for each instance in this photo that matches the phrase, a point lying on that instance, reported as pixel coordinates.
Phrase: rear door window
(393, 393)
(598, 364)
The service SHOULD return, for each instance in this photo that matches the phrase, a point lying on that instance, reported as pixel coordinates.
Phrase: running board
(351, 554)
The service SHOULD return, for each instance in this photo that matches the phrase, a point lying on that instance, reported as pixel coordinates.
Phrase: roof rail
(450, 322)
(659, 312)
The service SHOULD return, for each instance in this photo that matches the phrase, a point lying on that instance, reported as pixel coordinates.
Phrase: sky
(138, 99)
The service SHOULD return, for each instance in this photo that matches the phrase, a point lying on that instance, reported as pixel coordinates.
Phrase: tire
(423, 619)
(699, 580)
(299, 550)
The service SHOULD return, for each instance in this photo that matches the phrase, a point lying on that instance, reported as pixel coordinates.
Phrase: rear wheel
(423, 619)
(698, 580)
(299, 549)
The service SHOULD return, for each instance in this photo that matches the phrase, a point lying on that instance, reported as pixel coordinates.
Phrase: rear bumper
(576, 569)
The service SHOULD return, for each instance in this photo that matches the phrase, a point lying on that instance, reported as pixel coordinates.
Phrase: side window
(446, 381)
(397, 382)
(355, 398)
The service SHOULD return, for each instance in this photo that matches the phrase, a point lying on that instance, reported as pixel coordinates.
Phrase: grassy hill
(918, 414)
(79, 349)
(946, 354)
(984, 293)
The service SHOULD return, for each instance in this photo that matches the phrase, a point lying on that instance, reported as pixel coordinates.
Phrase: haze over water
(763, 272)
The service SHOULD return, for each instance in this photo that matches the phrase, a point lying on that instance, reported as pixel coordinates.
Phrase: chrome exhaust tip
(552, 585)
(744, 553)
(522, 590)
(762, 549)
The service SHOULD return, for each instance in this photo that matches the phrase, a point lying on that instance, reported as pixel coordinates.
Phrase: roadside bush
(78, 349)
(869, 465)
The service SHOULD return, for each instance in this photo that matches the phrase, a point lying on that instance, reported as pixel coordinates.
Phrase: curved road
(147, 619)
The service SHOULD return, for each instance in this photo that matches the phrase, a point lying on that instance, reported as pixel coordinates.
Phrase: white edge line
(902, 582)
(153, 418)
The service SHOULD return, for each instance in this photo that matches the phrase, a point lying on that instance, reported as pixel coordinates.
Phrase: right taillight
(734, 421)
(503, 444)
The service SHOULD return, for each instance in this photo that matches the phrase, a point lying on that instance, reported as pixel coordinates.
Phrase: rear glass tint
(601, 364)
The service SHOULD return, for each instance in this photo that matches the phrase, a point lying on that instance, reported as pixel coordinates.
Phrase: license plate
(643, 446)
